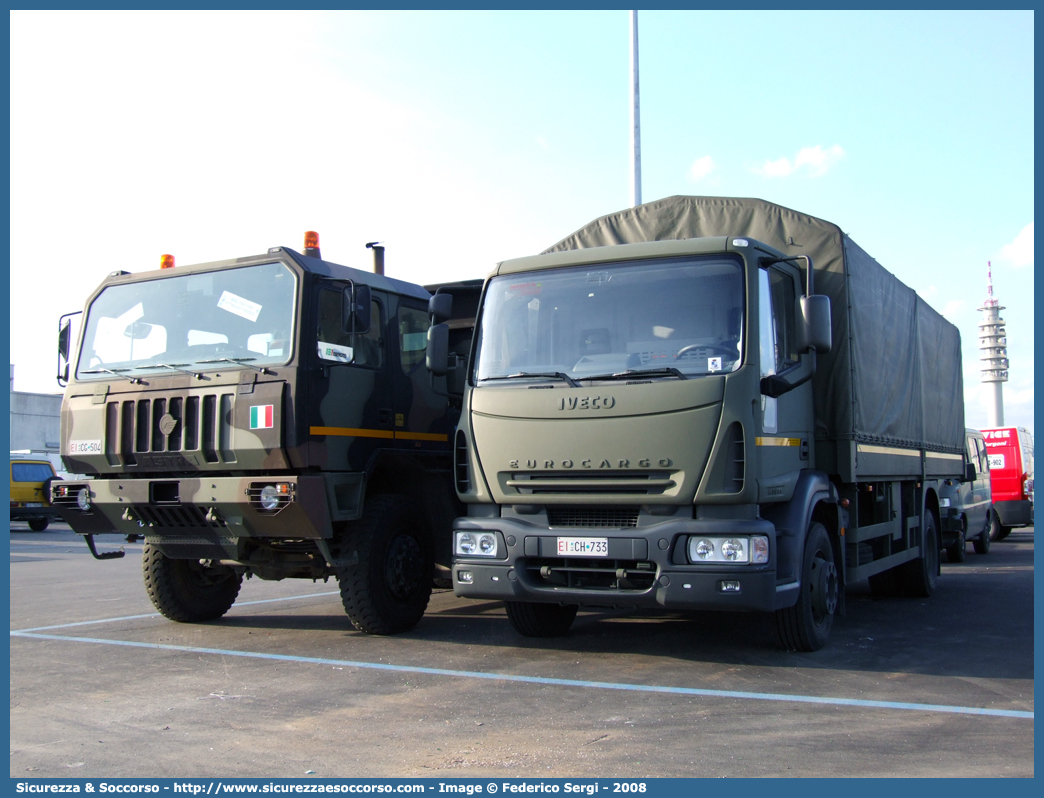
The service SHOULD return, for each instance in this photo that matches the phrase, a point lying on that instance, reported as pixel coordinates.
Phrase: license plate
(34, 504)
(583, 547)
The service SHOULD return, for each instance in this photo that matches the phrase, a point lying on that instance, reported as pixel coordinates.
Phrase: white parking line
(575, 683)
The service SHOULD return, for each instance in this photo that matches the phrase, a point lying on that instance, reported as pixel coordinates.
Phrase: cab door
(351, 407)
(423, 419)
(785, 438)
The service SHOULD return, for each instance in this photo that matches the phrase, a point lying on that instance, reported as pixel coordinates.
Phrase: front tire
(386, 587)
(189, 591)
(997, 530)
(956, 552)
(982, 542)
(532, 619)
(806, 625)
(38, 524)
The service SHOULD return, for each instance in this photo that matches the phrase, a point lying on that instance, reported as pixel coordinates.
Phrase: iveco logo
(167, 424)
(586, 403)
(645, 462)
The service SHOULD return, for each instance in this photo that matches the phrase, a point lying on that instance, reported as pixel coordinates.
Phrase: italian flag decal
(261, 417)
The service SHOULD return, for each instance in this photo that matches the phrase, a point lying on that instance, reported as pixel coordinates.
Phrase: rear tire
(806, 626)
(386, 588)
(38, 524)
(187, 590)
(540, 620)
(918, 577)
(957, 551)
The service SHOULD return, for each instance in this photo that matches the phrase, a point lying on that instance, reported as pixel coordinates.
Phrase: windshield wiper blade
(172, 367)
(116, 373)
(237, 361)
(561, 375)
(666, 371)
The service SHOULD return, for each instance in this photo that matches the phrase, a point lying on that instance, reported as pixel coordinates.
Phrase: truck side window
(366, 348)
(413, 336)
(784, 306)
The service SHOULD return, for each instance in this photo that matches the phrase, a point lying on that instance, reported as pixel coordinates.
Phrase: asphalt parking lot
(102, 686)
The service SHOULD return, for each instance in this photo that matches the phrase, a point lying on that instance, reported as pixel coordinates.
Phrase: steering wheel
(724, 350)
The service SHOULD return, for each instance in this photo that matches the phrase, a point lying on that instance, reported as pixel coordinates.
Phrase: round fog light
(466, 543)
(269, 497)
(83, 499)
(704, 549)
(732, 549)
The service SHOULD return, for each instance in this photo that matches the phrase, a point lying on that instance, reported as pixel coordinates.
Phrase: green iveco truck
(267, 416)
(703, 404)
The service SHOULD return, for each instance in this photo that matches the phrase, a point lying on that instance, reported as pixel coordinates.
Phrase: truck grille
(625, 576)
(185, 516)
(202, 426)
(645, 483)
(600, 517)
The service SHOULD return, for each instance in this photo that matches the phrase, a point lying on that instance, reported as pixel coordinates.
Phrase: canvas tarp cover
(893, 376)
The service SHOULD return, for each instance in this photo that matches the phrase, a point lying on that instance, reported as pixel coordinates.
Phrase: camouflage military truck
(267, 416)
(703, 404)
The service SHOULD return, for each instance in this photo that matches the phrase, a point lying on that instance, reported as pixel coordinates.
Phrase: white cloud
(812, 161)
(953, 308)
(1020, 251)
(542, 143)
(701, 167)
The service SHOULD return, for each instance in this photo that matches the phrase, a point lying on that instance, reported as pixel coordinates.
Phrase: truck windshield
(192, 321)
(664, 319)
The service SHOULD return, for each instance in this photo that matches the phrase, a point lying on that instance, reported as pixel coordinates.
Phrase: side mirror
(436, 356)
(969, 472)
(64, 347)
(355, 309)
(815, 313)
(440, 307)
(64, 331)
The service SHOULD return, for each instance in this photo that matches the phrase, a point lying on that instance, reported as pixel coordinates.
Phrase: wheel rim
(824, 589)
(404, 567)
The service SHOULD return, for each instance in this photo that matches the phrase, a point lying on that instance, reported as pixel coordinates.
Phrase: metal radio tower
(993, 342)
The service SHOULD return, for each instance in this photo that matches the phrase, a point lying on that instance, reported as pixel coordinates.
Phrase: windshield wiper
(542, 374)
(172, 367)
(116, 373)
(237, 361)
(666, 371)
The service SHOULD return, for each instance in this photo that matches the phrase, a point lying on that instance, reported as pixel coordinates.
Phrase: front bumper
(645, 568)
(208, 507)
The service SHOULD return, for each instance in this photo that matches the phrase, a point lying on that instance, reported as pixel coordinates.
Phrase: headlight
(269, 497)
(944, 502)
(704, 549)
(83, 499)
(476, 544)
(733, 550)
(738, 551)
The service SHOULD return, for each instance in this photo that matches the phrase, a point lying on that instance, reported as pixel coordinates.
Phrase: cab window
(413, 336)
(335, 345)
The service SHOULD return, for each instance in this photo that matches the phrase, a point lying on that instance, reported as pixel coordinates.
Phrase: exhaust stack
(378, 256)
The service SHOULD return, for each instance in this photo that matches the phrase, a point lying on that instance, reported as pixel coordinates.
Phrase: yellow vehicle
(31, 479)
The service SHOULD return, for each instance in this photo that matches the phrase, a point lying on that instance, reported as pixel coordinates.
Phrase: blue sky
(461, 139)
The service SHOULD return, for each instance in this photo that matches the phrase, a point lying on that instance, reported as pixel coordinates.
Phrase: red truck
(1010, 453)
